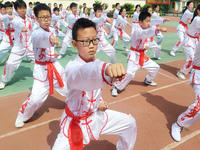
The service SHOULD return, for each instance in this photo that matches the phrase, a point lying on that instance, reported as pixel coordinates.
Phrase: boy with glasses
(48, 73)
(86, 115)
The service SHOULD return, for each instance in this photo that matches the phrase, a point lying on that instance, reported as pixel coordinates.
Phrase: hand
(146, 47)
(56, 54)
(109, 20)
(163, 29)
(1, 19)
(24, 29)
(167, 19)
(115, 71)
(103, 106)
(62, 17)
(54, 40)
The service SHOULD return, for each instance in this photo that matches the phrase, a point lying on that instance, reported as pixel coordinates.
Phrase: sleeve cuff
(105, 78)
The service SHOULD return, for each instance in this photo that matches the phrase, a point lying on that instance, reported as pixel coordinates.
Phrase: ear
(140, 22)
(74, 43)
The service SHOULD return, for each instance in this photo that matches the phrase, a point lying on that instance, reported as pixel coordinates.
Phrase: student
(189, 43)
(2, 26)
(191, 115)
(135, 23)
(182, 27)
(115, 14)
(104, 45)
(82, 9)
(71, 19)
(119, 30)
(62, 22)
(47, 73)
(105, 12)
(56, 18)
(8, 36)
(137, 57)
(55, 5)
(84, 14)
(86, 113)
(22, 43)
(92, 15)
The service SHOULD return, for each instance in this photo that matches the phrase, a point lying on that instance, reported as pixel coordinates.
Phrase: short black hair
(81, 23)
(60, 5)
(37, 3)
(8, 4)
(19, 4)
(94, 5)
(56, 9)
(30, 3)
(55, 3)
(73, 5)
(97, 7)
(1, 5)
(146, 9)
(84, 3)
(156, 5)
(143, 15)
(116, 4)
(40, 7)
(120, 11)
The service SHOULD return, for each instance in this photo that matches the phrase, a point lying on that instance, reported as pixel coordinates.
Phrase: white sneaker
(2, 85)
(150, 83)
(125, 49)
(176, 132)
(172, 53)
(114, 91)
(156, 58)
(19, 123)
(59, 57)
(180, 75)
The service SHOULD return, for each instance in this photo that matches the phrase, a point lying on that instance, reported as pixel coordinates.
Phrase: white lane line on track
(169, 76)
(28, 128)
(184, 139)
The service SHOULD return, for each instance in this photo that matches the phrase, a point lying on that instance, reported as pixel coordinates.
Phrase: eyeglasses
(44, 18)
(87, 42)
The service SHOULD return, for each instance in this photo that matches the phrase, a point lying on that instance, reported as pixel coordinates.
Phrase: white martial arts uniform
(192, 114)
(62, 22)
(119, 31)
(104, 45)
(138, 59)
(55, 24)
(22, 47)
(92, 15)
(182, 28)
(8, 37)
(159, 35)
(42, 85)
(115, 15)
(2, 27)
(84, 83)
(71, 19)
(105, 12)
(85, 16)
(189, 44)
(135, 24)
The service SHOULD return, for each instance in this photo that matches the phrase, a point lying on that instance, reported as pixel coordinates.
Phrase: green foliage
(98, 2)
(80, 6)
(128, 6)
(106, 5)
(143, 8)
(1, 2)
(164, 8)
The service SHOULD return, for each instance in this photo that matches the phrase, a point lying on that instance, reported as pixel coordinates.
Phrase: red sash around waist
(121, 31)
(50, 69)
(74, 131)
(195, 37)
(8, 32)
(142, 56)
(195, 67)
(183, 24)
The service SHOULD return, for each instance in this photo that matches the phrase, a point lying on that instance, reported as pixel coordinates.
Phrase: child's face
(74, 10)
(190, 7)
(86, 52)
(44, 19)
(31, 5)
(21, 11)
(9, 10)
(118, 7)
(157, 8)
(104, 7)
(150, 10)
(98, 13)
(123, 13)
(56, 13)
(86, 11)
(3, 11)
(138, 9)
(49, 5)
(198, 11)
(61, 7)
(55, 5)
(145, 23)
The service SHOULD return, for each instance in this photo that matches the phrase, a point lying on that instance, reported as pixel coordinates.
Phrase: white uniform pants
(105, 47)
(189, 51)
(155, 48)
(125, 38)
(118, 123)
(181, 36)
(108, 26)
(38, 96)
(65, 44)
(4, 48)
(132, 67)
(13, 64)
(159, 38)
(192, 114)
